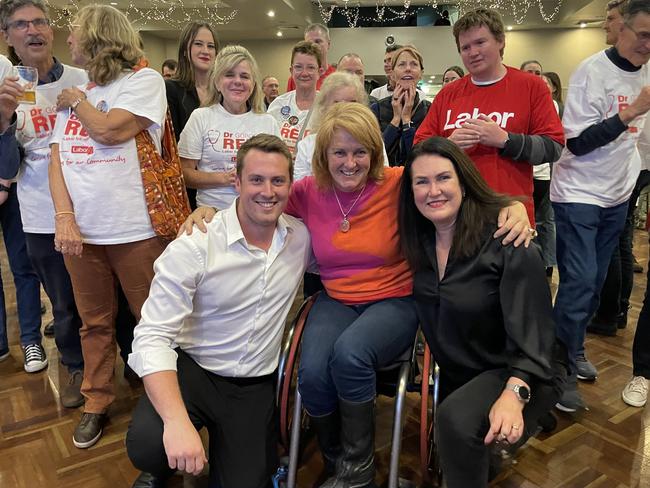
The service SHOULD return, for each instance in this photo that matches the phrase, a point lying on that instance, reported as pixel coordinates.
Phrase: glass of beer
(28, 79)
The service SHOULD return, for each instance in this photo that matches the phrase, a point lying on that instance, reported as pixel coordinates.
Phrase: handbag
(163, 182)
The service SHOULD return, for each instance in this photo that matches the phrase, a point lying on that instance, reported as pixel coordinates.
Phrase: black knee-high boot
(328, 429)
(355, 467)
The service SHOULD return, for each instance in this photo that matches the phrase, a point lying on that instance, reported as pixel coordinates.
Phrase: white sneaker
(635, 392)
(35, 359)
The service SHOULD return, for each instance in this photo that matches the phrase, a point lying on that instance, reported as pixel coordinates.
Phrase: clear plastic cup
(28, 79)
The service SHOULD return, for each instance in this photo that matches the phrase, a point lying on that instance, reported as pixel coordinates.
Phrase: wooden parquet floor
(607, 446)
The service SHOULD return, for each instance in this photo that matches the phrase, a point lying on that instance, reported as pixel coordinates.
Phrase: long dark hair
(478, 210)
(185, 72)
(554, 78)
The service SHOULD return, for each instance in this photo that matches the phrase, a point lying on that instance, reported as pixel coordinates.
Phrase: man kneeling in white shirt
(209, 338)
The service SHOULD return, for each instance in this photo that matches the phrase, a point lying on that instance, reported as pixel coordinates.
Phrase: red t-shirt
(520, 103)
(330, 69)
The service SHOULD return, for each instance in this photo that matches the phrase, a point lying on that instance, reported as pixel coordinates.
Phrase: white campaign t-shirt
(6, 68)
(104, 182)
(212, 136)
(543, 171)
(34, 126)
(606, 176)
(290, 118)
(305, 154)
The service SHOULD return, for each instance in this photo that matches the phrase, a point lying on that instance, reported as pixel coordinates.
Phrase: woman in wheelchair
(485, 310)
(366, 317)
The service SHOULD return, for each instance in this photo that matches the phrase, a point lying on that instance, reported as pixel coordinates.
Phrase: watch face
(524, 393)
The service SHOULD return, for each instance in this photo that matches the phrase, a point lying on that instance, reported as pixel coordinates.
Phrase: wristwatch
(4, 188)
(522, 392)
(505, 143)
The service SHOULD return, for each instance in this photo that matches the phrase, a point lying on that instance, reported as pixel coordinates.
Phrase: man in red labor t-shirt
(502, 117)
(319, 35)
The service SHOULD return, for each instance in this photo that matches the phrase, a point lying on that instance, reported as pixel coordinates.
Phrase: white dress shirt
(221, 300)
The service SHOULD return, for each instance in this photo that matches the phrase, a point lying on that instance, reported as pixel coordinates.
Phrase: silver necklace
(344, 226)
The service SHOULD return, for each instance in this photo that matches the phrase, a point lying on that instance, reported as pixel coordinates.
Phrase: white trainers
(635, 392)
(35, 358)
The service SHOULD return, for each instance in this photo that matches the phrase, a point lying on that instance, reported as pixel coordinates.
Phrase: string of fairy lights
(177, 13)
(174, 14)
(388, 13)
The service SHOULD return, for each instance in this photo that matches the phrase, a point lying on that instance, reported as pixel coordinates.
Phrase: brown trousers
(94, 278)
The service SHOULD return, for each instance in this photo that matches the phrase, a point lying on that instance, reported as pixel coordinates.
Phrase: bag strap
(168, 141)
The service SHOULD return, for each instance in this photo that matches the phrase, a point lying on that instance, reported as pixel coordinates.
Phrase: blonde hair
(358, 121)
(227, 59)
(334, 82)
(412, 50)
(107, 39)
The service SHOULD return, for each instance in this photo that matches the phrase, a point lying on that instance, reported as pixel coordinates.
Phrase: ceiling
(291, 16)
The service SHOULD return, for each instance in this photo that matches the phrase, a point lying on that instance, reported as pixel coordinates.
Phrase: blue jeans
(50, 268)
(28, 288)
(343, 346)
(586, 238)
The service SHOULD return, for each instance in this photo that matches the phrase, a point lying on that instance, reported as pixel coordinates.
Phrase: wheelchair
(394, 380)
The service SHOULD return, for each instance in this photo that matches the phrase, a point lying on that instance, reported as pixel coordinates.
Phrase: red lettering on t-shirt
(40, 124)
(73, 127)
(289, 132)
(82, 150)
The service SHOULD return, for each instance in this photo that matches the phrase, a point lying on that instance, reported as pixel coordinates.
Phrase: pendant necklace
(344, 226)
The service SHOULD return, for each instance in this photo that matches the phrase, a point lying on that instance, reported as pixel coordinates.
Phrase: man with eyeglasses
(607, 104)
(292, 110)
(25, 131)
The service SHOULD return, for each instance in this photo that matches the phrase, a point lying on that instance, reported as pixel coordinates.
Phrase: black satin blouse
(490, 311)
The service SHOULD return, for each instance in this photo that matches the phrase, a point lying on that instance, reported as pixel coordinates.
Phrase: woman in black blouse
(485, 310)
(188, 89)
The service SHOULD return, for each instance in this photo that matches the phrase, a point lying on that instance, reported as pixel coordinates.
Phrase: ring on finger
(533, 232)
(515, 427)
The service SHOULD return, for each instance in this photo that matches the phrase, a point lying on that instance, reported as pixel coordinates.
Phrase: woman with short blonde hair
(337, 87)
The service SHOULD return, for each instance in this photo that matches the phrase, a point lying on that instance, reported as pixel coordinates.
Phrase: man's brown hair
(481, 17)
(266, 143)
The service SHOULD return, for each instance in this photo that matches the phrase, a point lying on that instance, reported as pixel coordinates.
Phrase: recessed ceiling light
(278, 33)
(583, 25)
(509, 28)
(270, 13)
(113, 3)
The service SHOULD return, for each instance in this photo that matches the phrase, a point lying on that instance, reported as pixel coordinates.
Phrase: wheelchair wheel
(289, 373)
(429, 461)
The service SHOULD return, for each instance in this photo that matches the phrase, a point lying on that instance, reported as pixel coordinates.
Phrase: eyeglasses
(640, 36)
(23, 25)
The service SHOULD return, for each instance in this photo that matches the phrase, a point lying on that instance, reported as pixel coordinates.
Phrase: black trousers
(462, 423)
(239, 416)
(615, 295)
